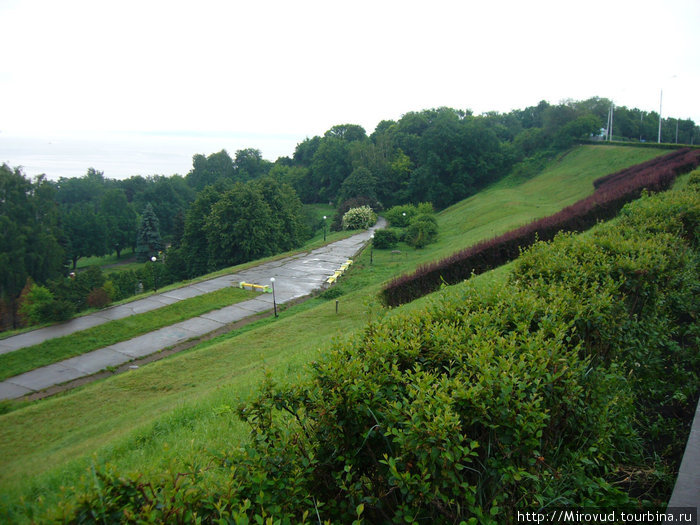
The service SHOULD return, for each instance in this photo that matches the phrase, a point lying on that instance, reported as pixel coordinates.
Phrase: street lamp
(324, 228)
(153, 269)
(274, 301)
(371, 249)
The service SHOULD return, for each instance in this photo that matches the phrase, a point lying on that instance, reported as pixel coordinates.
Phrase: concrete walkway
(295, 277)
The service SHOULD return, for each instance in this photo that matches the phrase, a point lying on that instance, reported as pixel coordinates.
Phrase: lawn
(178, 411)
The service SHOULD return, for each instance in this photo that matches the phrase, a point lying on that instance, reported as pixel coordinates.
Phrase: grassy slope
(181, 408)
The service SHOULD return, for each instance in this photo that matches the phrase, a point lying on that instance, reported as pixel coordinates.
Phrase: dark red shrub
(98, 298)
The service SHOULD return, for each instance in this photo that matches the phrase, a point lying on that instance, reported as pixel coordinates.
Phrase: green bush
(125, 282)
(385, 239)
(332, 293)
(400, 216)
(422, 231)
(35, 304)
(694, 178)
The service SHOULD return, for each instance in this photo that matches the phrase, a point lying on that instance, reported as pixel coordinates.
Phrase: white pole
(676, 131)
(612, 114)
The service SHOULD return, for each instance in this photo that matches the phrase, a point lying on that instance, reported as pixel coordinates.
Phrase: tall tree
(360, 183)
(239, 228)
(194, 239)
(209, 170)
(148, 241)
(288, 230)
(29, 235)
(120, 220)
(249, 164)
(85, 232)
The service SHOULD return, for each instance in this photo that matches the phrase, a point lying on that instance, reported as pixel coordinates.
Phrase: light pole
(371, 249)
(153, 270)
(274, 300)
(324, 228)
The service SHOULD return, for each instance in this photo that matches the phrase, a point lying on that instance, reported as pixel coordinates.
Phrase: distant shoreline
(125, 155)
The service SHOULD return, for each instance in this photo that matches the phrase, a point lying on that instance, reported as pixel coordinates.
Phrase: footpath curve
(295, 277)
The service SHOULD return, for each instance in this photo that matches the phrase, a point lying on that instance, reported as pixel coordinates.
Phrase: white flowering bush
(359, 218)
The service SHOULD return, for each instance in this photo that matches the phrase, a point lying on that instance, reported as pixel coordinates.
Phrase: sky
(140, 86)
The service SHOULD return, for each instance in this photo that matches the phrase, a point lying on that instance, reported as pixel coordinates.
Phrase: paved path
(295, 277)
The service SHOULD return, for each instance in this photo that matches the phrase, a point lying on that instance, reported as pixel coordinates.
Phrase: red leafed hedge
(611, 193)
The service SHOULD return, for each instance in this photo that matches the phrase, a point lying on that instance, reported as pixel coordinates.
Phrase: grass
(105, 260)
(177, 411)
(60, 348)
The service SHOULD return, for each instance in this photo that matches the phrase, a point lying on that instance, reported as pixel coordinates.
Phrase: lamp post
(324, 228)
(153, 270)
(274, 300)
(371, 249)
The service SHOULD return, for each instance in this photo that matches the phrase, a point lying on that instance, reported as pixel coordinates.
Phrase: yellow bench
(256, 287)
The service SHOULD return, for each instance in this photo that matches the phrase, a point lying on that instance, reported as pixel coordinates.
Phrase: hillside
(178, 411)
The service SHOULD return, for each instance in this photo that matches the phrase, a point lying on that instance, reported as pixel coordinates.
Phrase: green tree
(249, 164)
(360, 183)
(240, 228)
(168, 196)
(579, 128)
(347, 132)
(330, 166)
(148, 241)
(194, 239)
(29, 235)
(289, 228)
(86, 189)
(299, 178)
(209, 170)
(305, 150)
(120, 220)
(85, 232)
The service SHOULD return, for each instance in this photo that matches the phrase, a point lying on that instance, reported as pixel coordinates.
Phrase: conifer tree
(148, 242)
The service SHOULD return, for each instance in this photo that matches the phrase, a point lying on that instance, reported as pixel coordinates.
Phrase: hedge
(611, 193)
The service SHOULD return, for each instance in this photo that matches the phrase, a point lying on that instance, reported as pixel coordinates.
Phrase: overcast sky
(274, 72)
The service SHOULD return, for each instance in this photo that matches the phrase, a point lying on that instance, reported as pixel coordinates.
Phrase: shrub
(59, 310)
(400, 216)
(125, 282)
(356, 202)
(111, 290)
(35, 304)
(422, 231)
(385, 239)
(98, 298)
(694, 178)
(359, 218)
(332, 293)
